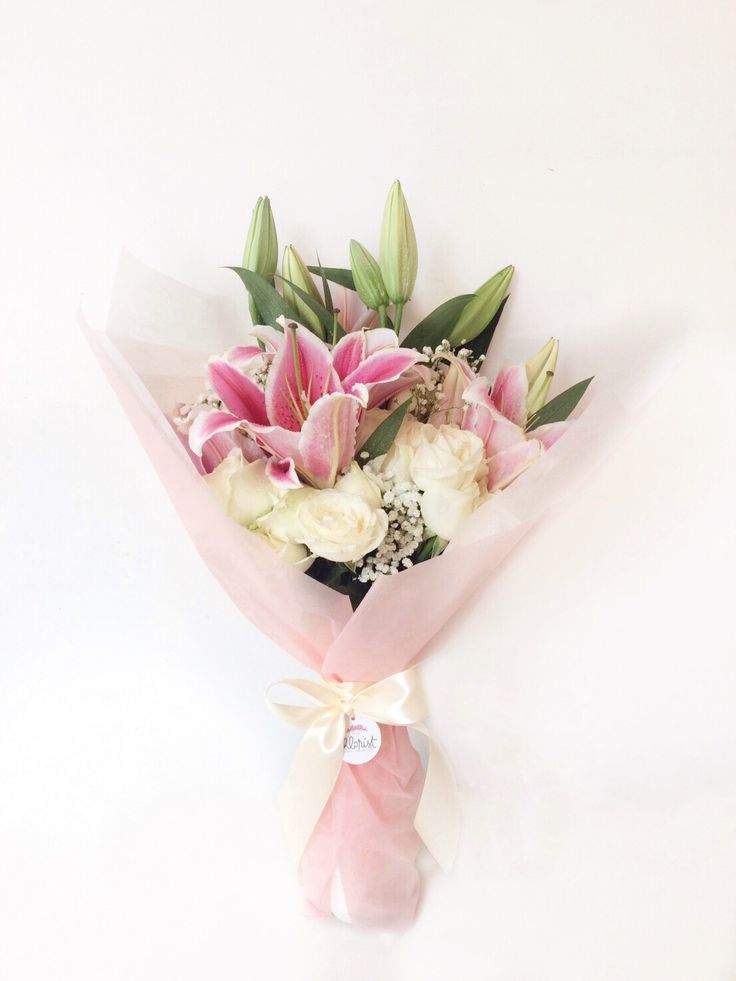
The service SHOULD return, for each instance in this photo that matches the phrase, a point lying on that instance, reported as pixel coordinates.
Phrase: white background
(586, 695)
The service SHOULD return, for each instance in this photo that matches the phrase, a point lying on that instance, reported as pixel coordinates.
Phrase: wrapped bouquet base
(358, 858)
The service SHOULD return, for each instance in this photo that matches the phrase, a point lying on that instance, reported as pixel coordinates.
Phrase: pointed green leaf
(480, 344)
(559, 408)
(270, 304)
(437, 325)
(343, 277)
(433, 546)
(382, 439)
(329, 306)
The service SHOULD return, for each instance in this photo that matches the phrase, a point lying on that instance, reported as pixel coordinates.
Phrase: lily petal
(449, 408)
(486, 421)
(506, 466)
(271, 336)
(282, 474)
(243, 355)
(352, 349)
(327, 440)
(348, 353)
(279, 442)
(549, 434)
(384, 392)
(216, 449)
(301, 373)
(239, 393)
(209, 424)
(383, 365)
(509, 393)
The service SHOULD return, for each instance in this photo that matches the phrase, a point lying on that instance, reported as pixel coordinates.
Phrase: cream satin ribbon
(396, 701)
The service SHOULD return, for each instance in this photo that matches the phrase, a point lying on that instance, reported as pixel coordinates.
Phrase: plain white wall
(586, 695)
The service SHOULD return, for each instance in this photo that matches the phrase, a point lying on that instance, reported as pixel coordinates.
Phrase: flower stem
(397, 316)
(382, 317)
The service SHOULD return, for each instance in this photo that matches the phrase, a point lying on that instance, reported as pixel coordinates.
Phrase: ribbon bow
(396, 701)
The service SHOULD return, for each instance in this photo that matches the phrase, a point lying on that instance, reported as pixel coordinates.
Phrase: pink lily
(449, 408)
(219, 447)
(354, 315)
(308, 415)
(499, 417)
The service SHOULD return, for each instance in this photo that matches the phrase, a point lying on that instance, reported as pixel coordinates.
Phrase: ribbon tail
(309, 783)
(437, 820)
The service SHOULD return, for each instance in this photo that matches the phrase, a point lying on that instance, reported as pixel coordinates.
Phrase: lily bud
(261, 252)
(398, 247)
(367, 277)
(539, 373)
(295, 271)
(481, 310)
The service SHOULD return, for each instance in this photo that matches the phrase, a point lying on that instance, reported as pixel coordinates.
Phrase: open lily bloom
(499, 416)
(307, 414)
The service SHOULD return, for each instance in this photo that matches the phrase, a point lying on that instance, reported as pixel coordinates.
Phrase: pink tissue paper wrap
(154, 350)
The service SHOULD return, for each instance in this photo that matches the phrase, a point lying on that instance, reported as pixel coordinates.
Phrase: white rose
(242, 489)
(340, 526)
(443, 511)
(453, 461)
(361, 483)
(283, 523)
(294, 554)
(412, 434)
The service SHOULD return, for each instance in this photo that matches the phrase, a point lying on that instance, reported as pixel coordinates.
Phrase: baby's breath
(401, 501)
(185, 412)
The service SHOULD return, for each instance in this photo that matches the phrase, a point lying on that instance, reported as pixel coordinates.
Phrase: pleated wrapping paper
(158, 337)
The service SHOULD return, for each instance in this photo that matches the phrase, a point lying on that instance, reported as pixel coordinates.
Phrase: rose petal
(444, 511)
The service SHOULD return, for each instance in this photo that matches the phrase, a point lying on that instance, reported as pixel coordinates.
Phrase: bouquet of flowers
(337, 476)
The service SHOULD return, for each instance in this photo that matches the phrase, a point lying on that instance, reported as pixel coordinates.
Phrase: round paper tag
(362, 740)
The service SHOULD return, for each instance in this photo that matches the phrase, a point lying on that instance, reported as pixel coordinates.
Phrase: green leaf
(337, 331)
(480, 344)
(381, 440)
(559, 408)
(324, 317)
(270, 304)
(329, 306)
(429, 549)
(343, 277)
(341, 578)
(437, 325)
